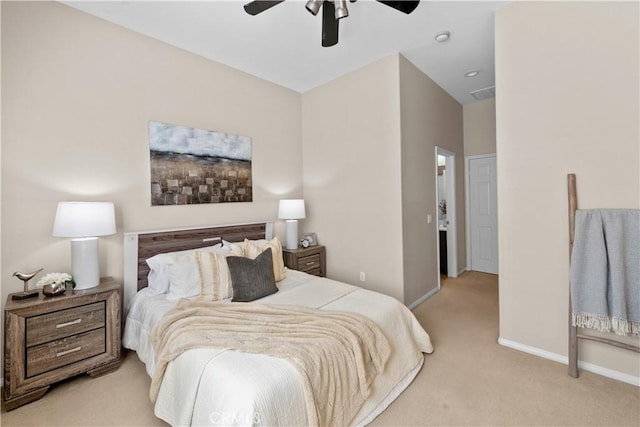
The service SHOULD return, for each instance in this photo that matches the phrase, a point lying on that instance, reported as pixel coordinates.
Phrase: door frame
(452, 227)
(467, 177)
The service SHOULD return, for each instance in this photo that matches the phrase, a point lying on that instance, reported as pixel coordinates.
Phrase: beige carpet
(468, 380)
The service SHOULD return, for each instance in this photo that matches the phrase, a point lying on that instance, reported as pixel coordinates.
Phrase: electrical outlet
(362, 276)
(429, 219)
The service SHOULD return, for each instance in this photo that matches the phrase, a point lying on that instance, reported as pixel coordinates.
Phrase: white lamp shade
(291, 209)
(84, 219)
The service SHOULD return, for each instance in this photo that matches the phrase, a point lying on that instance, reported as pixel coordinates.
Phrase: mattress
(224, 387)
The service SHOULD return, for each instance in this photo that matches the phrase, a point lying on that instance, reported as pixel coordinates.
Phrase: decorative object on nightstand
(291, 210)
(47, 340)
(308, 239)
(26, 293)
(84, 222)
(310, 260)
(54, 284)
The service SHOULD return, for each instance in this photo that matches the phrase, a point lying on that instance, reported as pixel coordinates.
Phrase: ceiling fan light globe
(313, 6)
(341, 9)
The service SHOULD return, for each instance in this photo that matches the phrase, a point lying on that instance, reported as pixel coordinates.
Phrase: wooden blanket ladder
(574, 336)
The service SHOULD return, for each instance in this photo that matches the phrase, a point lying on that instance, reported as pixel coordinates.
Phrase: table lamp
(291, 210)
(84, 222)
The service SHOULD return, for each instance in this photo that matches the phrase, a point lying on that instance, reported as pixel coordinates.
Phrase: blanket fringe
(606, 324)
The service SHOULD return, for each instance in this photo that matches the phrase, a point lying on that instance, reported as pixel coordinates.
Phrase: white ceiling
(283, 44)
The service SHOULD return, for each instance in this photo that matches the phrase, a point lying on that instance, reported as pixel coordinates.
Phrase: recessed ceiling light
(471, 73)
(442, 36)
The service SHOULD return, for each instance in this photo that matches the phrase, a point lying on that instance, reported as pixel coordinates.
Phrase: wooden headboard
(138, 246)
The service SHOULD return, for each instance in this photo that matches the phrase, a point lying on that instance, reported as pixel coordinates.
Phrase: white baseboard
(423, 298)
(596, 369)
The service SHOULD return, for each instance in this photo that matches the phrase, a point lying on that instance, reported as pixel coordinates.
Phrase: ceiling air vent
(486, 93)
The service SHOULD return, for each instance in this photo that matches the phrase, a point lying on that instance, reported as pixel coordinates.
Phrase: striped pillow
(253, 248)
(214, 273)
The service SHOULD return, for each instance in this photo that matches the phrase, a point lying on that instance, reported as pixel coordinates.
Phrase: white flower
(51, 278)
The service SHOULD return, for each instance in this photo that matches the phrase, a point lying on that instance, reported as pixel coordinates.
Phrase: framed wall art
(193, 166)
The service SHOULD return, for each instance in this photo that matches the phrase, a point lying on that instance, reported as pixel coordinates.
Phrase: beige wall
(351, 159)
(369, 175)
(77, 95)
(567, 101)
(480, 127)
(429, 117)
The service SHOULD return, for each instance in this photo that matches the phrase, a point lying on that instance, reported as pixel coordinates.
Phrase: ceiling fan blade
(258, 6)
(329, 24)
(402, 6)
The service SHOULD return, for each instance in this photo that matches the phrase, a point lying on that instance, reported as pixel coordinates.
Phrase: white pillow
(158, 277)
(184, 277)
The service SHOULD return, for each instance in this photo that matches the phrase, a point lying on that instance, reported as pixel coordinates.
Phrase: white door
(483, 214)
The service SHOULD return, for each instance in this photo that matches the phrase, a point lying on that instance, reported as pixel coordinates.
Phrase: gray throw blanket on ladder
(605, 271)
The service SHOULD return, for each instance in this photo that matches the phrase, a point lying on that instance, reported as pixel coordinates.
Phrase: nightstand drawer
(314, 272)
(63, 323)
(62, 352)
(309, 262)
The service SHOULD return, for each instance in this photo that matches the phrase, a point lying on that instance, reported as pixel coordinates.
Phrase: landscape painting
(193, 166)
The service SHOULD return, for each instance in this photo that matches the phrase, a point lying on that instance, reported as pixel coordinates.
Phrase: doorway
(446, 208)
(482, 213)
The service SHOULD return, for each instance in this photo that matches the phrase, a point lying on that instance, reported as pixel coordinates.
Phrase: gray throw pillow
(252, 278)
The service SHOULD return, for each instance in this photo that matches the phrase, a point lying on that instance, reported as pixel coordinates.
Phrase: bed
(218, 386)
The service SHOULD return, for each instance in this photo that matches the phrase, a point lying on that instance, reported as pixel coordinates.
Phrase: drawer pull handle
(310, 263)
(73, 322)
(72, 350)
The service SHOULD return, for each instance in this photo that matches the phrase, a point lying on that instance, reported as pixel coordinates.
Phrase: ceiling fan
(332, 12)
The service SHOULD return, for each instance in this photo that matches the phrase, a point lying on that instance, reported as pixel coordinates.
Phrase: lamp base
(85, 267)
(292, 234)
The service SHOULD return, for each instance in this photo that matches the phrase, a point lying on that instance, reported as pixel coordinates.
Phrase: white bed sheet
(223, 387)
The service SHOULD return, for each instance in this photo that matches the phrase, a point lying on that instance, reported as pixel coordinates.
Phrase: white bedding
(223, 387)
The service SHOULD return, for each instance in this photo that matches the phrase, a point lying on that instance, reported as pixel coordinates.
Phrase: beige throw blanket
(337, 354)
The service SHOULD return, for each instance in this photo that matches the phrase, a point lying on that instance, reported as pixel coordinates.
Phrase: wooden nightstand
(49, 339)
(311, 260)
